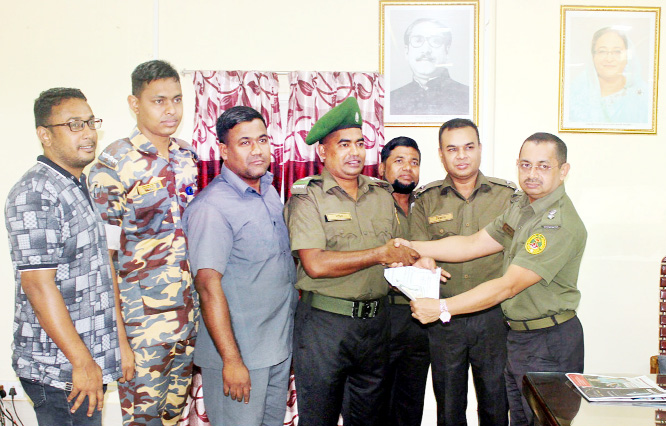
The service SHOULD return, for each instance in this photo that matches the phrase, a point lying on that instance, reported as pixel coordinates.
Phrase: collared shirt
(547, 237)
(403, 219)
(51, 224)
(321, 215)
(241, 234)
(440, 211)
(141, 196)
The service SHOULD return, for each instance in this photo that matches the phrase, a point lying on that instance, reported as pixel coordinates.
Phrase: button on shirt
(51, 224)
(562, 235)
(327, 218)
(441, 211)
(241, 234)
(141, 196)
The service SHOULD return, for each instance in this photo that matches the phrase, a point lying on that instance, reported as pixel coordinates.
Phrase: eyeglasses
(527, 167)
(615, 53)
(78, 125)
(434, 41)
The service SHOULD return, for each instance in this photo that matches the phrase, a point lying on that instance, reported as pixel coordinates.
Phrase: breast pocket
(256, 240)
(442, 229)
(383, 229)
(151, 215)
(340, 235)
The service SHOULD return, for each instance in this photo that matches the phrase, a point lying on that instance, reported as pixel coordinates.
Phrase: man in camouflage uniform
(461, 204)
(142, 185)
(340, 225)
(543, 238)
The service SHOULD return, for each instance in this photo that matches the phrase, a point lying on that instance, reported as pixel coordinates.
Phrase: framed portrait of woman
(609, 60)
(429, 59)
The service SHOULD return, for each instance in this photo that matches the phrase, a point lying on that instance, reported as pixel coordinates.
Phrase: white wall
(615, 180)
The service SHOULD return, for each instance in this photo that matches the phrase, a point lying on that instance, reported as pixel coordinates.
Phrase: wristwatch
(444, 313)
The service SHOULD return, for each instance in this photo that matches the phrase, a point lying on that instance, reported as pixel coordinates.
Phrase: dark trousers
(408, 368)
(335, 355)
(554, 349)
(478, 340)
(53, 409)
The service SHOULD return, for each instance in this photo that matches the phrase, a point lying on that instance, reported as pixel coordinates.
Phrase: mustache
(426, 57)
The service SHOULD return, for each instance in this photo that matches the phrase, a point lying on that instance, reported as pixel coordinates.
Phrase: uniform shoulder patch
(535, 244)
(435, 184)
(551, 219)
(300, 187)
(113, 153)
(379, 182)
(187, 147)
(503, 182)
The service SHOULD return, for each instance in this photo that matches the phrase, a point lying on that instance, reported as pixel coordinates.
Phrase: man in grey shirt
(245, 275)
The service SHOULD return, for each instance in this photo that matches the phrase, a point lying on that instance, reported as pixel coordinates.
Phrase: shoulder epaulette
(187, 147)
(503, 182)
(300, 186)
(379, 182)
(434, 184)
(113, 153)
(552, 218)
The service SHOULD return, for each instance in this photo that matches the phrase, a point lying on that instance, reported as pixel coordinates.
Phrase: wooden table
(556, 402)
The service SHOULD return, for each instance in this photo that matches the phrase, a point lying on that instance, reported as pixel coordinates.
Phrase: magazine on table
(617, 389)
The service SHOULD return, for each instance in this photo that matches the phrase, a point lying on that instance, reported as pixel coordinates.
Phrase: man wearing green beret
(340, 225)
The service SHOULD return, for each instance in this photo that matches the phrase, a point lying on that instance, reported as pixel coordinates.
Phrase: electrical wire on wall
(6, 417)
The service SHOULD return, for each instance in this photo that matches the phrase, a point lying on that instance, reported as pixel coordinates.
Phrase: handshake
(399, 252)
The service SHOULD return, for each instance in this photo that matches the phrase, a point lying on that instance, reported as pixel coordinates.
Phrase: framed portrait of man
(609, 60)
(429, 59)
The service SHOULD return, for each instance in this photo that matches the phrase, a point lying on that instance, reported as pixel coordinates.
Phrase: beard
(402, 188)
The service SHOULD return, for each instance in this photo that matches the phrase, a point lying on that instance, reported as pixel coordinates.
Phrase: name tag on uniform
(335, 217)
(509, 230)
(440, 218)
(149, 187)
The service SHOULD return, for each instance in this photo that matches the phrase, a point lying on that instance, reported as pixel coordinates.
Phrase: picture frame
(609, 65)
(429, 56)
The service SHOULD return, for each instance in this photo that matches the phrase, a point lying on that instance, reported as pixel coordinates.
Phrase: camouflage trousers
(157, 394)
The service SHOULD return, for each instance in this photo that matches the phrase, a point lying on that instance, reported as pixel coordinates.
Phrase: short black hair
(233, 116)
(53, 97)
(458, 123)
(150, 71)
(396, 142)
(448, 38)
(605, 30)
(542, 137)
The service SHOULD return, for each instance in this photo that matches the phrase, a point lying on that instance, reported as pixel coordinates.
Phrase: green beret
(343, 116)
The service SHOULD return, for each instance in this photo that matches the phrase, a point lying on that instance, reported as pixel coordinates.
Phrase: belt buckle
(364, 310)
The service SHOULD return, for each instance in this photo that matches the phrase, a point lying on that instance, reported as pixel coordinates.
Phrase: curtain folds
(311, 95)
(217, 91)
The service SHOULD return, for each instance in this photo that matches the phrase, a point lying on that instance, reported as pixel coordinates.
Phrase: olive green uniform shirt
(441, 211)
(547, 237)
(321, 215)
(403, 220)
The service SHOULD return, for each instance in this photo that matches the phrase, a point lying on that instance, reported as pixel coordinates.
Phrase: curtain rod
(186, 71)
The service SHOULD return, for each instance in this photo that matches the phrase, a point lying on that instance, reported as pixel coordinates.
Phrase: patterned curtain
(217, 91)
(312, 94)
